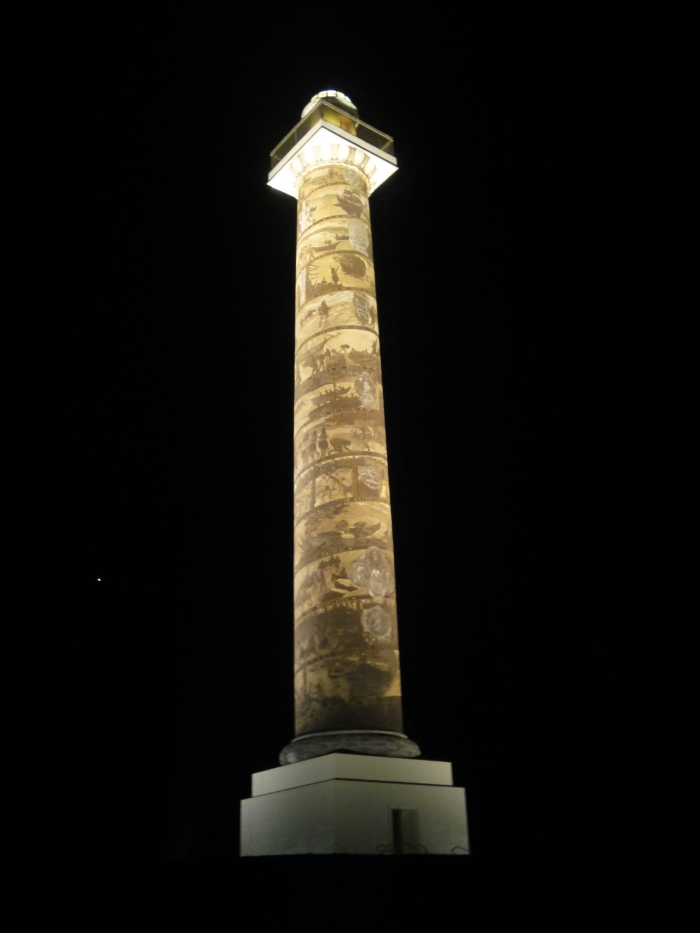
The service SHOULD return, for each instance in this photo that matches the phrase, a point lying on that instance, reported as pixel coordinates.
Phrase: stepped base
(355, 804)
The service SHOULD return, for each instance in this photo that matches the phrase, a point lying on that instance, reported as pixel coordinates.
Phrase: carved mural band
(346, 650)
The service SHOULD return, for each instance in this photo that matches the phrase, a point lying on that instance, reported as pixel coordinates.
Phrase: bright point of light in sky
(99, 579)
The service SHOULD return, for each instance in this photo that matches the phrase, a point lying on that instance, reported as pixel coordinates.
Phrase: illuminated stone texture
(346, 649)
(346, 653)
(347, 675)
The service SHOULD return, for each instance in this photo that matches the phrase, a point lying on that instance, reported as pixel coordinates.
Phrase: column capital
(329, 135)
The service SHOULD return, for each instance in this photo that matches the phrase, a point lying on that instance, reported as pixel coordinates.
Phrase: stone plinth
(355, 804)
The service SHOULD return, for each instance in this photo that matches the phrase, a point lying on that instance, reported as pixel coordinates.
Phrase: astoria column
(382, 798)
(347, 675)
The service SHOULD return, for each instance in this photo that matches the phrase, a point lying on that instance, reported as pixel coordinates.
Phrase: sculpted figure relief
(376, 622)
(346, 655)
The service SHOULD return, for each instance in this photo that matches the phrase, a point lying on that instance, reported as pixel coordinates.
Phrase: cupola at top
(333, 97)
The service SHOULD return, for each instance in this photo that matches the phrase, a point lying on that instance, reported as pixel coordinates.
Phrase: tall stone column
(347, 674)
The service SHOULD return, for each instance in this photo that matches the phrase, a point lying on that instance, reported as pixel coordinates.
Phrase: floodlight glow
(347, 677)
(328, 133)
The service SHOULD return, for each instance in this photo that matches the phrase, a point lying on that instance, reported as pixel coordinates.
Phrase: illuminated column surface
(347, 674)
(347, 678)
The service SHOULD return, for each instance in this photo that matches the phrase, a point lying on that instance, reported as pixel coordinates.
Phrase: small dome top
(335, 97)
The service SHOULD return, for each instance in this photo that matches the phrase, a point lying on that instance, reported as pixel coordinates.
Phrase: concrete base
(355, 804)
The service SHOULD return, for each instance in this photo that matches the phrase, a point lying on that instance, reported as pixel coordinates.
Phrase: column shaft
(347, 674)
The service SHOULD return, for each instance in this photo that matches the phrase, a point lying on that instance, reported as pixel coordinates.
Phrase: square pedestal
(355, 804)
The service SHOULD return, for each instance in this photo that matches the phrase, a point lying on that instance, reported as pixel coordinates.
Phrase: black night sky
(538, 441)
